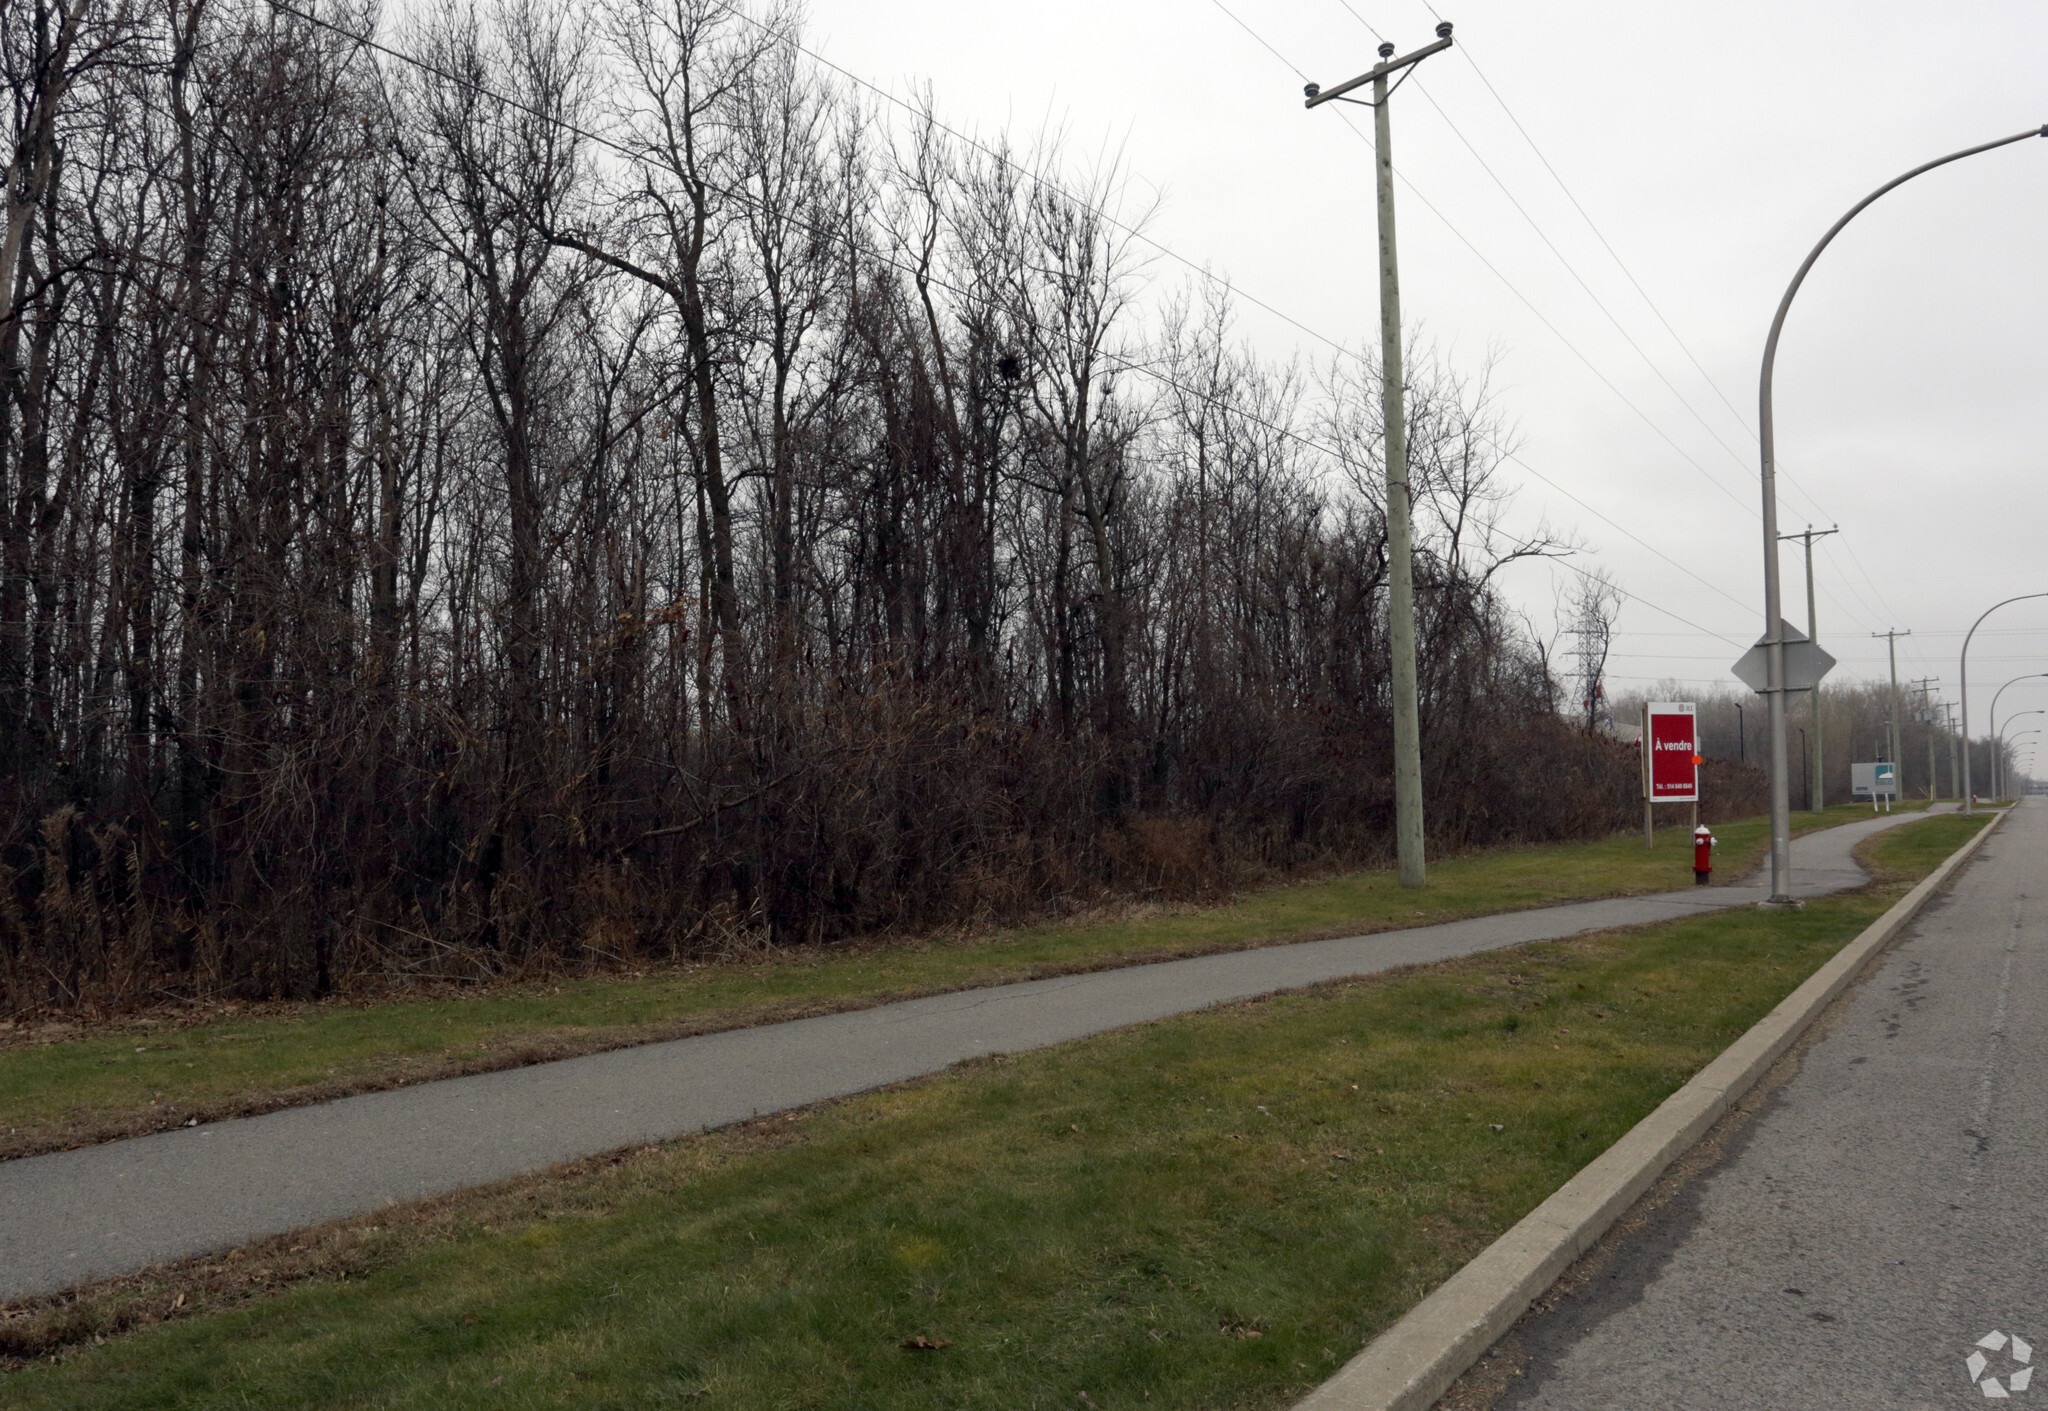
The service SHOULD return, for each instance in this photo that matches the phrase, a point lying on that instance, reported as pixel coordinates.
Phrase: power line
(1639, 598)
(1593, 226)
(1562, 258)
(1465, 49)
(1124, 364)
(1298, 73)
(1590, 509)
(1121, 362)
(1509, 284)
(1448, 225)
(1229, 286)
(1857, 559)
(1036, 178)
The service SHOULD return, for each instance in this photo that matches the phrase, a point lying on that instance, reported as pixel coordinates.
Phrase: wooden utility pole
(1401, 567)
(1891, 637)
(1926, 686)
(1817, 794)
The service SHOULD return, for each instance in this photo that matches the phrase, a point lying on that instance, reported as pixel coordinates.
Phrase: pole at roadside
(1925, 685)
(1816, 788)
(1408, 851)
(1998, 744)
(1998, 749)
(1955, 767)
(1892, 645)
(1767, 446)
(1649, 808)
(1995, 698)
(1963, 678)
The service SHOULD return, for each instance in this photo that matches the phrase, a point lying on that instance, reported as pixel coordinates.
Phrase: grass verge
(61, 1086)
(1209, 1211)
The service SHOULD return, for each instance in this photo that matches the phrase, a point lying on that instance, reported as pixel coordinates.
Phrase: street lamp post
(1997, 751)
(1963, 668)
(1999, 742)
(1774, 639)
(2027, 676)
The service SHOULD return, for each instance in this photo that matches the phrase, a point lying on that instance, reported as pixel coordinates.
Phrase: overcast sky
(1710, 145)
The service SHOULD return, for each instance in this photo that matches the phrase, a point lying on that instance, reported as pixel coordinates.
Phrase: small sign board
(1671, 741)
(1874, 781)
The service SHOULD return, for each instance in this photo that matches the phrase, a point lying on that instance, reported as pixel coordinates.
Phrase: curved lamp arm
(1998, 770)
(1963, 678)
(1774, 648)
(2021, 715)
(2029, 676)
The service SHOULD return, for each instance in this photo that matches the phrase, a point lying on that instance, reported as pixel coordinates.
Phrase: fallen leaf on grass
(921, 1343)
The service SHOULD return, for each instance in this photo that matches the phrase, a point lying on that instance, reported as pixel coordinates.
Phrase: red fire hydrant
(1702, 855)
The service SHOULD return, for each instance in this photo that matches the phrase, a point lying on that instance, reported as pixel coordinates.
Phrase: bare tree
(572, 488)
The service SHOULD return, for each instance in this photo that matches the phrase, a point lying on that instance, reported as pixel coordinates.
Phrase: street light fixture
(1963, 668)
(1997, 754)
(1997, 785)
(1774, 637)
(2021, 736)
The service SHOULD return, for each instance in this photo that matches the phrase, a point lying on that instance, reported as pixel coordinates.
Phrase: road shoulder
(1410, 1365)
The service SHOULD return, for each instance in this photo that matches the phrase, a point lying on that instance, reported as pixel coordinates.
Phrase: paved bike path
(73, 1216)
(1882, 1217)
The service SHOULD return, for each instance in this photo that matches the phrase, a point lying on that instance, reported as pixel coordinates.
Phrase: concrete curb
(1407, 1367)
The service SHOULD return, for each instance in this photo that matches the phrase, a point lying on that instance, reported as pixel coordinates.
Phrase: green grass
(62, 1087)
(1206, 1212)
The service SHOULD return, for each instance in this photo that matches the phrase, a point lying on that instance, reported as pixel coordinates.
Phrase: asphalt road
(1882, 1214)
(74, 1216)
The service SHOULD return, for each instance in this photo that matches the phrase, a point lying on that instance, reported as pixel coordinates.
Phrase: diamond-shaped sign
(1805, 662)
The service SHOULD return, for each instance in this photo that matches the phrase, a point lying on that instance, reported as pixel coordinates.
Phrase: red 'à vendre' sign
(1670, 745)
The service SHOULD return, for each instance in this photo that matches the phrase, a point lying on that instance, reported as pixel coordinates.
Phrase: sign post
(1671, 772)
(1877, 781)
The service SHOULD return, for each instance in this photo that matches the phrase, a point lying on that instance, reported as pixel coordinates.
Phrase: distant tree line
(605, 491)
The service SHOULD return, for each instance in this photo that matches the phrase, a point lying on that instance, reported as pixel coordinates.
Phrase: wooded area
(608, 491)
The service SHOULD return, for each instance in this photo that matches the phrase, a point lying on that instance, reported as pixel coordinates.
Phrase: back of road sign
(1805, 662)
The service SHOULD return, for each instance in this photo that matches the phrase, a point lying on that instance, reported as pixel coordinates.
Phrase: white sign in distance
(1877, 780)
(1805, 662)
